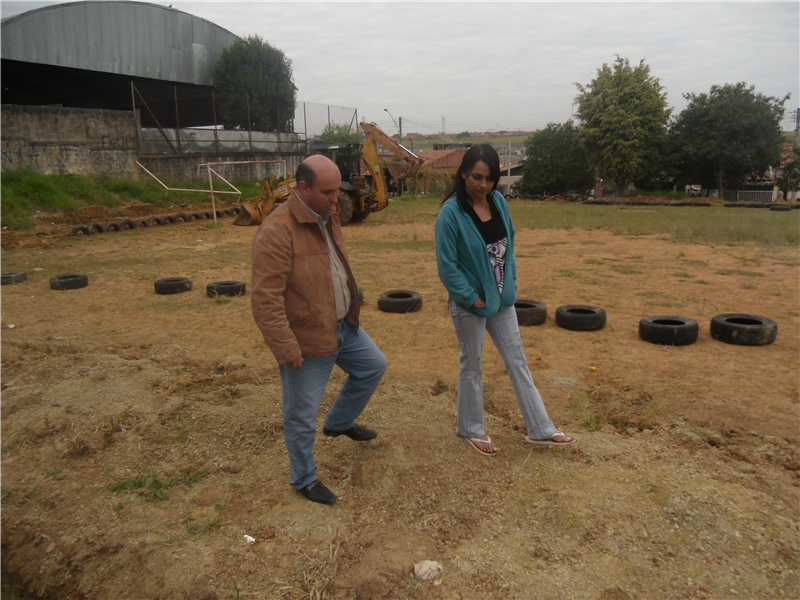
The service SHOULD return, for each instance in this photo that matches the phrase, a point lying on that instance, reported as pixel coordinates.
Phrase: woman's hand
(478, 303)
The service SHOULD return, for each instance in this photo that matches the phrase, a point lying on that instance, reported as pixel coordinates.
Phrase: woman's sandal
(475, 441)
(551, 442)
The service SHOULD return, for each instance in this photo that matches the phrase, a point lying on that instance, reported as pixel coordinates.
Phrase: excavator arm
(407, 165)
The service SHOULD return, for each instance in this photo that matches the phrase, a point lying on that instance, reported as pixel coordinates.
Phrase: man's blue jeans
(303, 389)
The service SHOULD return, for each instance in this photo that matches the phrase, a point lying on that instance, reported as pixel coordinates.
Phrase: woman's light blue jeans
(504, 330)
(303, 389)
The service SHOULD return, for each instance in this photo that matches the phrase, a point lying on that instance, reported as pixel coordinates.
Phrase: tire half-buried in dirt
(579, 317)
(400, 301)
(743, 330)
(12, 277)
(69, 281)
(530, 312)
(173, 285)
(668, 330)
(226, 288)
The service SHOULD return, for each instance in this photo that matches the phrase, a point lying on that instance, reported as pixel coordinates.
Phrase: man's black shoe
(317, 492)
(356, 432)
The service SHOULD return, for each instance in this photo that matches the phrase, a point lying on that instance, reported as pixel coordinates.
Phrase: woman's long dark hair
(476, 154)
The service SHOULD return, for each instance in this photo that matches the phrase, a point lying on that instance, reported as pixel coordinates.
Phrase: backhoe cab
(364, 188)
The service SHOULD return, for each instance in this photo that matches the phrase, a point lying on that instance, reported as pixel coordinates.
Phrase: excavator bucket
(251, 213)
(399, 170)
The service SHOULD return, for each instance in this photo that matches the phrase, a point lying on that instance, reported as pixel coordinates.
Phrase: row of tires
(732, 328)
(93, 228)
(165, 286)
(603, 202)
(670, 330)
(549, 198)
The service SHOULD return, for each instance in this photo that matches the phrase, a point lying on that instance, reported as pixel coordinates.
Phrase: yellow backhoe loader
(361, 193)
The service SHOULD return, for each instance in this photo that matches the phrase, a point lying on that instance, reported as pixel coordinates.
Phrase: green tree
(623, 115)
(729, 134)
(789, 181)
(341, 134)
(251, 71)
(555, 162)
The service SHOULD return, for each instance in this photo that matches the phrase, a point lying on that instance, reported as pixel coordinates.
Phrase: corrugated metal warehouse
(86, 54)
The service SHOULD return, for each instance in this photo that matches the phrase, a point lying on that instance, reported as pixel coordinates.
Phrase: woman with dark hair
(475, 258)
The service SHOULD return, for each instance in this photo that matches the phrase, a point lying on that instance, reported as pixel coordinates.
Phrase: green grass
(201, 528)
(155, 487)
(23, 193)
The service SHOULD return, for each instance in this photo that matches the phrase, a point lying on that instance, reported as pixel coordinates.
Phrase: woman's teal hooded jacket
(463, 262)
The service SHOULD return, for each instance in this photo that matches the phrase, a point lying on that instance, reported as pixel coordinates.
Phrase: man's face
(321, 197)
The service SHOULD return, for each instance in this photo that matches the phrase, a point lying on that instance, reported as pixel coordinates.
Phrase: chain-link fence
(179, 120)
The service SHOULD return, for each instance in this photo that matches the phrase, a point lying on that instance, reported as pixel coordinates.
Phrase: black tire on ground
(220, 213)
(95, 228)
(589, 197)
(780, 207)
(530, 312)
(360, 297)
(702, 203)
(579, 317)
(508, 197)
(568, 198)
(235, 210)
(168, 219)
(12, 277)
(546, 198)
(344, 208)
(153, 221)
(79, 229)
(111, 227)
(173, 285)
(743, 330)
(537, 198)
(602, 202)
(180, 217)
(400, 301)
(208, 214)
(126, 223)
(579, 198)
(528, 197)
(556, 198)
(668, 330)
(69, 281)
(516, 196)
(226, 288)
(141, 223)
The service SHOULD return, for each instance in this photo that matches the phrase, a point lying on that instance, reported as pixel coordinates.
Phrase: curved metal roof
(134, 39)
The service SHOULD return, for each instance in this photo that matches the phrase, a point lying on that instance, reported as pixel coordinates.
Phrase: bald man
(305, 301)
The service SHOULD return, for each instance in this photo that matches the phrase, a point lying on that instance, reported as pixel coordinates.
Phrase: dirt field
(684, 482)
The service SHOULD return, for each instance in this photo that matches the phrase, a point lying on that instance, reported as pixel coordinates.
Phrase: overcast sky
(489, 66)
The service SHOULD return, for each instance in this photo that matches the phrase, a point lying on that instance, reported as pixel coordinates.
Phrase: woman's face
(478, 183)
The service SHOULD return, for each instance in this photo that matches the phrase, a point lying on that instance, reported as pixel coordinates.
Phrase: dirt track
(684, 483)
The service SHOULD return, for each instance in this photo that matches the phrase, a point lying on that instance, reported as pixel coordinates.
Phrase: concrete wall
(54, 140)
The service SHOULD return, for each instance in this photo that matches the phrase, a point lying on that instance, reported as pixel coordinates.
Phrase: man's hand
(478, 303)
(296, 363)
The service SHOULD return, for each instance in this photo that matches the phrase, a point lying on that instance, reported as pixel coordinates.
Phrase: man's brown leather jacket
(292, 288)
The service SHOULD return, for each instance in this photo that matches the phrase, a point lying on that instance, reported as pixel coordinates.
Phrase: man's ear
(302, 187)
